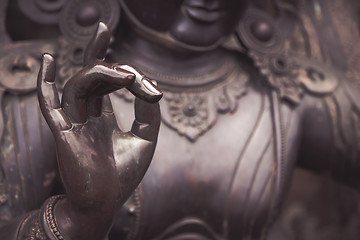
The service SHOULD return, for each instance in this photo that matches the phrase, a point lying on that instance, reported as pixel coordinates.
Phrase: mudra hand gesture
(99, 164)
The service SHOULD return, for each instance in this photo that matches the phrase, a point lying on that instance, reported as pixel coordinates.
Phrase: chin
(204, 41)
(197, 34)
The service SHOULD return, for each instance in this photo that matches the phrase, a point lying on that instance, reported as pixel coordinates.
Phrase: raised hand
(99, 164)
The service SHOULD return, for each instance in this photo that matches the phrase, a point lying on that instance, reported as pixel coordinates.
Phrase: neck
(150, 47)
(149, 54)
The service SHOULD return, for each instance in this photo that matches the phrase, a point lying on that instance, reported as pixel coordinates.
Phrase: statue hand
(99, 164)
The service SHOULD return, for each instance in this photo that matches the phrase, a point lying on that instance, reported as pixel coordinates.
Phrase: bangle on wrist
(49, 220)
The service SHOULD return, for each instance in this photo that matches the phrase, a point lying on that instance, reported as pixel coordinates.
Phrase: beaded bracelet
(48, 217)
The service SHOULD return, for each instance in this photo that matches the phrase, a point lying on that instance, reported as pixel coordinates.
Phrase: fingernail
(48, 67)
(47, 59)
(151, 87)
(102, 28)
(154, 82)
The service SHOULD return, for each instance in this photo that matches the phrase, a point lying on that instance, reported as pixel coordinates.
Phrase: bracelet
(31, 228)
(48, 217)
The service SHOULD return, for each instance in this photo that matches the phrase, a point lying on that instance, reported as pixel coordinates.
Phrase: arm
(331, 133)
(100, 165)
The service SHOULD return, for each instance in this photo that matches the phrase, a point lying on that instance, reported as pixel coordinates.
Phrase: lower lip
(203, 15)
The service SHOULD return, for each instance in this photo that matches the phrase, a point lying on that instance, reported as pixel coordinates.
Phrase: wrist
(41, 224)
(79, 223)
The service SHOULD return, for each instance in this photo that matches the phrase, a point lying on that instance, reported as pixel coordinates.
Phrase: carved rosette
(281, 73)
(191, 114)
(31, 228)
(188, 113)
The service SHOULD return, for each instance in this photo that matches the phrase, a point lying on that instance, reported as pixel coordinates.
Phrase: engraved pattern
(31, 228)
(280, 73)
(191, 114)
(290, 76)
(36, 231)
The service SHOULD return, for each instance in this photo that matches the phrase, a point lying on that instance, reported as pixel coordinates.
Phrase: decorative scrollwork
(261, 37)
(265, 45)
(188, 113)
(194, 110)
(281, 74)
(290, 76)
(78, 22)
(31, 228)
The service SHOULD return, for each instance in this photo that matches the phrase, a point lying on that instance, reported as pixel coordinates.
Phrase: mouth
(204, 13)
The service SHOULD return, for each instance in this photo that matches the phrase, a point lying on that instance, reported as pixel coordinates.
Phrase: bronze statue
(238, 115)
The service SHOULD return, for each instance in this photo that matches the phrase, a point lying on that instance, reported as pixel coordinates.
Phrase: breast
(219, 186)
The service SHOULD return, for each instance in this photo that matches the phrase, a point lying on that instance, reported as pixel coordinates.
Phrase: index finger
(83, 93)
(98, 45)
(142, 87)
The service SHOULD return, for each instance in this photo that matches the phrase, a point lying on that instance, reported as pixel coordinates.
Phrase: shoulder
(294, 77)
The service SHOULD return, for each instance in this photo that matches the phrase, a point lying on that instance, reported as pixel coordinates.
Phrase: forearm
(331, 135)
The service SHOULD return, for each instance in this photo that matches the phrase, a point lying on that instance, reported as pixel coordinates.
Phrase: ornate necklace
(191, 104)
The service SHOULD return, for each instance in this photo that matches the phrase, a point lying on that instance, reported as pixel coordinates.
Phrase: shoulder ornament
(19, 61)
(268, 47)
(292, 77)
(20, 64)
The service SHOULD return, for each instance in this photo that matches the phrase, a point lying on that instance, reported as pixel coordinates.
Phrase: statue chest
(220, 185)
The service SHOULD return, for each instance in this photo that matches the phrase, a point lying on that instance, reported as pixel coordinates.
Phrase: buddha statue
(245, 99)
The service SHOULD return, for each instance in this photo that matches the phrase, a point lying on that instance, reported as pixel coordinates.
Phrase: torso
(215, 173)
(219, 179)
